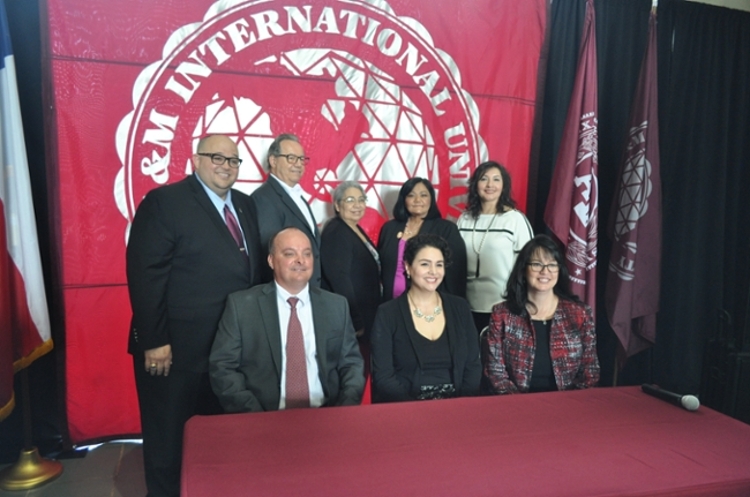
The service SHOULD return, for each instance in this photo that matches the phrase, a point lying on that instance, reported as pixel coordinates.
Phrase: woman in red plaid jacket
(542, 337)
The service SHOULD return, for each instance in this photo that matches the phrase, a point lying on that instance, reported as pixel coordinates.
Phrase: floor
(113, 469)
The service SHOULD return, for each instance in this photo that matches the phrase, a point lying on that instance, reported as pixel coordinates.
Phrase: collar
(303, 295)
(290, 190)
(218, 202)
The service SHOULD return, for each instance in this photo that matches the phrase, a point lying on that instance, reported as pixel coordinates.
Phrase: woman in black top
(349, 260)
(416, 212)
(424, 345)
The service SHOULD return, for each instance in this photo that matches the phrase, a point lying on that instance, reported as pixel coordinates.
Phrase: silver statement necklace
(481, 242)
(427, 317)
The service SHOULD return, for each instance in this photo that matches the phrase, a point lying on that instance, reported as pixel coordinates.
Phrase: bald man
(191, 244)
(252, 364)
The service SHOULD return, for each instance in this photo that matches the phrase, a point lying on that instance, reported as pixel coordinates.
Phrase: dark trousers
(166, 403)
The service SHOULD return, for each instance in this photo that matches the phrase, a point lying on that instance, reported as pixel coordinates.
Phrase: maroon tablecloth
(598, 442)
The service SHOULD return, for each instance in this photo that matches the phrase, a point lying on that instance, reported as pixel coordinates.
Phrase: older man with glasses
(191, 244)
(280, 202)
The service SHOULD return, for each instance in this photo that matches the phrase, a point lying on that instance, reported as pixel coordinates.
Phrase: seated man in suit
(286, 343)
(280, 201)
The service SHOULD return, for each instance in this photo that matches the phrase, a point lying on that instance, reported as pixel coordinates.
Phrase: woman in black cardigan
(348, 258)
(416, 212)
(424, 345)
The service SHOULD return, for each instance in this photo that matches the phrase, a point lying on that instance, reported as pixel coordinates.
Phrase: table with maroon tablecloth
(597, 442)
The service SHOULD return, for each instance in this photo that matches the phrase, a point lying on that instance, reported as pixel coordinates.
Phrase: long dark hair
(400, 213)
(474, 202)
(516, 293)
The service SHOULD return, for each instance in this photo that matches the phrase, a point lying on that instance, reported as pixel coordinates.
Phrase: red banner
(573, 205)
(633, 281)
(377, 91)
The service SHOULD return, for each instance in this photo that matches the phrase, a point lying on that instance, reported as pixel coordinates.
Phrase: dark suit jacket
(454, 281)
(276, 210)
(245, 364)
(349, 269)
(182, 262)
(396, 365)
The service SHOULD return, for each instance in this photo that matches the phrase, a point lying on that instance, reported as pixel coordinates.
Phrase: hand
(158, 360)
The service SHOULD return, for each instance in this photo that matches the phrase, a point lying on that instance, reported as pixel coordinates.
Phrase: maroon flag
(632, 294)
(573, 204)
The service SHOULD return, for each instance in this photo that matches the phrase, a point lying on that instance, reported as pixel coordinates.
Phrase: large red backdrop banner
(377, 91)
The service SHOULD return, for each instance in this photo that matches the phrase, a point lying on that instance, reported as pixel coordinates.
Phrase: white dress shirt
(219, 203)
(304, 313)
(296, 193)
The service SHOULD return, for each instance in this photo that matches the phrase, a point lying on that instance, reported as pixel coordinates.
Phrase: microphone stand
(31, 470)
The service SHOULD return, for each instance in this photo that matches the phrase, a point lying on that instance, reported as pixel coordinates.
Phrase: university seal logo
(368, 92)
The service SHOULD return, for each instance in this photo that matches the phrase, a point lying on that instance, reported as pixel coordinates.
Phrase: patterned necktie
(297, 391)
(234, 228)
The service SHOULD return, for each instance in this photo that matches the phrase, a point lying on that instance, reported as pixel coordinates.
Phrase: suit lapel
(292, 206)
(312, 216)
(450, 329)
(269, 313)
(202, 198)
(411, 330)
(321, 323)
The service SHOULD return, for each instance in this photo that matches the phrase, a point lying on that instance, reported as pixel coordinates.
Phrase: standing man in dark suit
(279, 202)
(191, 244)
(286, 344)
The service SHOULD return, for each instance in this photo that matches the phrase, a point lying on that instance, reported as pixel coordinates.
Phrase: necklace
(408, 231)
(481, 242)
(427, 317)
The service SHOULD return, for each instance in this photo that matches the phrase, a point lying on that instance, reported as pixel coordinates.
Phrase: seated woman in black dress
(424, 345)
(542, 337)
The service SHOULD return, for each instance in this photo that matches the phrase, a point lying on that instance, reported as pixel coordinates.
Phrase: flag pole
(19, 256)
(31, 470)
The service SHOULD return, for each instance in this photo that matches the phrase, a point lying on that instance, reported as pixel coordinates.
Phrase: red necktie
(297, 391)
(234, 227)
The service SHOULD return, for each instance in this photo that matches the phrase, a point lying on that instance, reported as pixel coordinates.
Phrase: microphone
(689, 402)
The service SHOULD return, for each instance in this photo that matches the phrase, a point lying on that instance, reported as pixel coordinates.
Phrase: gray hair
(337, 195)
(275, 148)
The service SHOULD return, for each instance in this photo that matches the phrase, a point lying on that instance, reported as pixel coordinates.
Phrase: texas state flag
(24, 319)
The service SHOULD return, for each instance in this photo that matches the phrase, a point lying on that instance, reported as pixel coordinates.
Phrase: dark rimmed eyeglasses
(538, 267)
(293, 159)
(219, 159)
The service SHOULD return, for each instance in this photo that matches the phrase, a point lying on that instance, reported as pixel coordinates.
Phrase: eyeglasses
(293, 159)
(538, 267)
(219, 159)
(352, 200)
